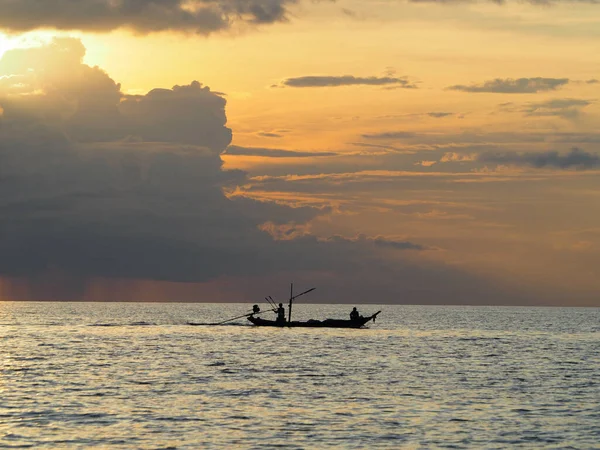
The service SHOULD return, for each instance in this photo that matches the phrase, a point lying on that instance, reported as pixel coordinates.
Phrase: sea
(138, 376)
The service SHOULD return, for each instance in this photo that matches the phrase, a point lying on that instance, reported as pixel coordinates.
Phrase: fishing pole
(275, 306)
(255, 310)
(271, 303)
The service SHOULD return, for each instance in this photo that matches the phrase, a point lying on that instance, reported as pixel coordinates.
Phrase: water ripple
(137, 376)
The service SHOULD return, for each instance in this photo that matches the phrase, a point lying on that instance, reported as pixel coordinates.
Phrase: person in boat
(354, 314)
(281, 314)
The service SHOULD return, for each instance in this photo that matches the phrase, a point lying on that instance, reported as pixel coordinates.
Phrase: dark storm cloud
(93, 108)
(141, 16)
(96, 183)
(576, 158)
(189, 114)
(272, 152)
(514, 86)
(346, 80)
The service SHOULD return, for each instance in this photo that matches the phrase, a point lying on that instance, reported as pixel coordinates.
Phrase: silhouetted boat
(327, 323)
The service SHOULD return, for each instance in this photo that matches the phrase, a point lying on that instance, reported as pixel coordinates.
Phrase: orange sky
(466, 130)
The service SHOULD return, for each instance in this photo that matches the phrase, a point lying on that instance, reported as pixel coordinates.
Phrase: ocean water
(124, 375)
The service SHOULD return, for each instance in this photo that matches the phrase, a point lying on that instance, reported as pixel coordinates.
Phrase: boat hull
(328, 323)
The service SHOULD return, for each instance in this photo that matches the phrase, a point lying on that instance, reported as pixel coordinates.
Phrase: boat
(358, 322)
(327, 323)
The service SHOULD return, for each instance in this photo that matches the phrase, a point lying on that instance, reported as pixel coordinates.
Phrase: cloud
(425, 163)
(576, 158)
(140, 16)
(391, 135)
(270, 135)
(189, 114)
(514, 86)
(457, 157)
(568, 108)
(235, 150)
(93, 108)
(439, 115)
(379, 241)
(502, 2)
(97, 184)
(346, 80)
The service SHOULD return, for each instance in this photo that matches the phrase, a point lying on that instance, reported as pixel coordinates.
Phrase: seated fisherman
(354, 314)
(281, 314)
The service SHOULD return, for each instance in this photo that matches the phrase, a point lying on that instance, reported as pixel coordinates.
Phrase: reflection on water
(136, 376)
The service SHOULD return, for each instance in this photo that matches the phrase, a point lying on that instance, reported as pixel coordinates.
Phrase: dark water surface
(117, 375)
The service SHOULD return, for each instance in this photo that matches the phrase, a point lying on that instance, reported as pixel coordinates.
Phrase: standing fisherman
(281, 314)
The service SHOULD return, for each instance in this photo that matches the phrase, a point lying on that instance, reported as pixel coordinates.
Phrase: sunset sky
(384, 151)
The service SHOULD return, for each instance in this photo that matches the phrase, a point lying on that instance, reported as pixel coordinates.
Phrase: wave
(132, 324)
(205, 324)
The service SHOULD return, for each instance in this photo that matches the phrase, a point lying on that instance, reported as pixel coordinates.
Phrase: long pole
(291, 300)
(271, 303)
(233, 318)
(294, 297)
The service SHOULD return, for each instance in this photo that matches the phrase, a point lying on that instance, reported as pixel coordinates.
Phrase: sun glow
(5, 44)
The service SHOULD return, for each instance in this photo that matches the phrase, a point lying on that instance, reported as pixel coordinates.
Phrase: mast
(290, 305)
(294, 297)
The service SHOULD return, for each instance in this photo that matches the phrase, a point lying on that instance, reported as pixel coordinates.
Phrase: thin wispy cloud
(268, 134)
(379, 241)
(315, 81)
(235, 150)
(391, 135)
(576, 158)
(513, 86)
(568, 108)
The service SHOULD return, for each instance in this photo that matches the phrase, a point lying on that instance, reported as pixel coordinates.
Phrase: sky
(382, 151)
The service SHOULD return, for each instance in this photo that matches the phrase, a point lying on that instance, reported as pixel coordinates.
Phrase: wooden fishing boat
(327, 323)
(358, 322)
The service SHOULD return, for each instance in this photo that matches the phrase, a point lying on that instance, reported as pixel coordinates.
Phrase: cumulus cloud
(140, 16)
(576, 158)
(346, 80)
(97, 183)
(513, 86)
